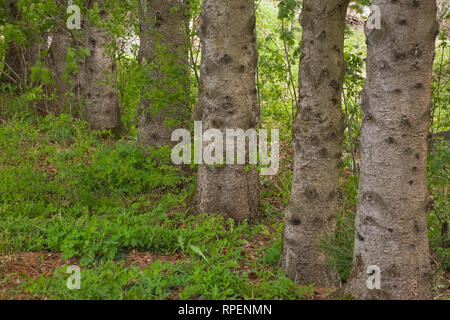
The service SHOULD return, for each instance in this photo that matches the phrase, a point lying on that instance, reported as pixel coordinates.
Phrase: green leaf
(199, 252)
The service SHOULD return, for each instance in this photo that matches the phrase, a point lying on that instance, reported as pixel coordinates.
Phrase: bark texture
(391, 221)
(227, 100)
(98, 77)
(164, 52)
(317, 138)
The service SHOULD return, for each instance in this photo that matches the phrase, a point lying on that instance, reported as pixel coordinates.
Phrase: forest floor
(70, 196)
(18, 268)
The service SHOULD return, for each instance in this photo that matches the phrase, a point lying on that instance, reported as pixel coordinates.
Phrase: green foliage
(273, 254)
(286, 8)
(131, 80)
(279, 52)
(440, 120)
(359, 5)
(115, 280)
(65, 188)
(439, 215)
(338, 248)
(111, 280)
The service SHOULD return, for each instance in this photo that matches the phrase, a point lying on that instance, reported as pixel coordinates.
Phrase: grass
(65, 189)
(69, 191)
(74, 194)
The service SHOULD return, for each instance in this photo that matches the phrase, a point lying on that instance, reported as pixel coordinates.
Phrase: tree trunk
(98, 83)
(227, 100)
(317, 137)
(56, 61)
(65, 82)
(164, 53)
(391, 220)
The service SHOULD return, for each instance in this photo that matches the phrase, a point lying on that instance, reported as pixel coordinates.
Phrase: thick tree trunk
(318, 135)
(98, 83)
(164, 52)
(391, 220)
(227, 100)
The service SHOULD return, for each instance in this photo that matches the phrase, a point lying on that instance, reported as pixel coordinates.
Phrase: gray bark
(391, 220)
(98, 78)
(317, 138)
(164, 52)
(227, 100)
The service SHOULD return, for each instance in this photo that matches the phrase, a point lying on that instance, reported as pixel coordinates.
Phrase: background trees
(97, 80)
(62, 44)
(20, 55)
(103, 200)
(164, 40)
